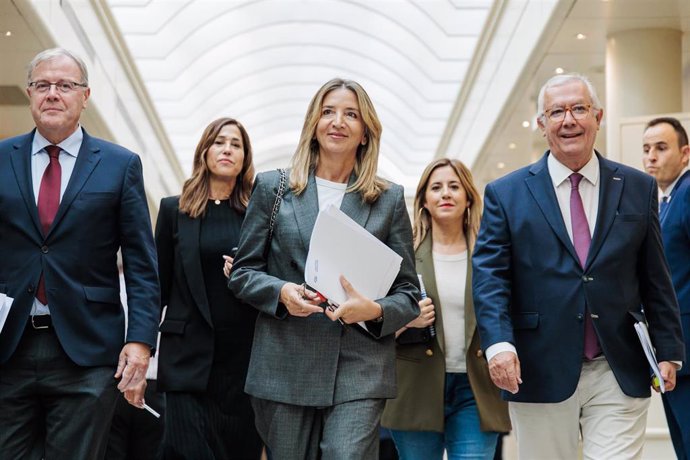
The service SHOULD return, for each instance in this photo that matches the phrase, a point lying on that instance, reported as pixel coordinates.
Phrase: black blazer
(187, 332)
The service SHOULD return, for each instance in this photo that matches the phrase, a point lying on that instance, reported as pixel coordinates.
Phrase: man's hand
(136, 396)
(504, 369)
(356, 308)
(668, 372)
(132, 366)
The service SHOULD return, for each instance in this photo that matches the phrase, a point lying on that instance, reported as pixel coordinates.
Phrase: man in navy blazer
(568, 247)
(665, 157)
(68, 203)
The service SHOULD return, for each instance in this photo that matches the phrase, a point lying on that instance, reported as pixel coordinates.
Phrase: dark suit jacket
(530, 290)
(102, 210)
(421, 378)
(314, 361)
(675, 230)
(187, 333)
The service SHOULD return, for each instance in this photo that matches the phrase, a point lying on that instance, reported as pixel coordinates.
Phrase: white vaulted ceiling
(261, 61)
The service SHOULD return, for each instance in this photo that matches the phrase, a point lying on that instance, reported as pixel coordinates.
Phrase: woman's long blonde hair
(472, 215)
(195, 190)
(306, 157)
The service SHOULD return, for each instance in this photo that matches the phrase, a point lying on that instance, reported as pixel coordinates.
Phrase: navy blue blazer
(675, 230)
(530, 289)
(102, 210)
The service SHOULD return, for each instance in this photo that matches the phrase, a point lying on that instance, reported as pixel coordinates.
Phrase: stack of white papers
(340, 246)
(5, 305)
(645, 340)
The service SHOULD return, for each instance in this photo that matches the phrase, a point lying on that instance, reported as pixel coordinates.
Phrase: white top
(589, 192)
(329, 193)
(450, 271)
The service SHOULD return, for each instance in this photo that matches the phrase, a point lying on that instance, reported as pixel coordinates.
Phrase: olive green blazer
(421, 375)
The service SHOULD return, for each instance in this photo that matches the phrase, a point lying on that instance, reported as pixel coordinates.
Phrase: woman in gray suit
(318, 386)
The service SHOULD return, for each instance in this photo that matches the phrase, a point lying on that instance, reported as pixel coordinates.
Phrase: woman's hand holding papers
(300, 301)
(357, 308)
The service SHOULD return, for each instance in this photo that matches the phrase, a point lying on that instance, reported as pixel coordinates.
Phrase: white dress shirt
(667, 191)
(589, 192)
(39, 162)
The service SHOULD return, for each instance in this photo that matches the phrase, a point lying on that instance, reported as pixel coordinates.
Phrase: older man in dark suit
(68, 203)
(666, 154)
(568, 247)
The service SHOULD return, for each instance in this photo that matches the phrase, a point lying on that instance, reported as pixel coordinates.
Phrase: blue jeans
(462, 439)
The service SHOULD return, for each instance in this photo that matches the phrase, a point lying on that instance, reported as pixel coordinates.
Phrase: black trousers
(51, 407)
(217, 424)
(135, 434)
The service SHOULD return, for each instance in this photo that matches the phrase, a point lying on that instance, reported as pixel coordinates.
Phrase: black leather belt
(39, 322)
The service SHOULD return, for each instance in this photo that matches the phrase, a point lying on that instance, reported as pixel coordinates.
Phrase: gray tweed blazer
(314, 361)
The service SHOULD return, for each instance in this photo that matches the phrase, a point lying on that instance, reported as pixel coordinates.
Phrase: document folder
(646, 342)
(340, 246)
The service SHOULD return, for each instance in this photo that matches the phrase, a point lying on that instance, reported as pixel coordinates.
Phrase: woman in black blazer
(207, 333)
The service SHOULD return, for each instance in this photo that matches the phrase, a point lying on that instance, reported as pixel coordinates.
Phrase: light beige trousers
(610, 423)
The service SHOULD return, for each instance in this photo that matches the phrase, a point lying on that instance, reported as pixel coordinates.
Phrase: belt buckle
(37, 327)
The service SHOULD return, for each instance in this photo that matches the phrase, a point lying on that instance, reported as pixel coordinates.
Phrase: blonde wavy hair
(195, 190)
(306, 157)
(472, 215)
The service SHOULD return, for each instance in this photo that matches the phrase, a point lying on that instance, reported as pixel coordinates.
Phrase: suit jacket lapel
(663, 214)
(20, 158)
(306, 208)
(425, 267)
(540, 186)
(88, 158)
(191, 261)
(353, 205)
(610, 191)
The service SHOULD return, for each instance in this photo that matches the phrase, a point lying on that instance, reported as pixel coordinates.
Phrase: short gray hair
(558, 80)
(53, 53)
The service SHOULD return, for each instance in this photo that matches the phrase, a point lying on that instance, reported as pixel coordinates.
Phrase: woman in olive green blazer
(457, 409)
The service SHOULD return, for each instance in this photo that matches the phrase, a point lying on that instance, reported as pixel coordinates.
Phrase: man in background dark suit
(68, 203)
(665, 156)
(567, 248)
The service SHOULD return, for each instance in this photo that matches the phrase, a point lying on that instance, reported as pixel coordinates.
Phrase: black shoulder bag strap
(276, 207)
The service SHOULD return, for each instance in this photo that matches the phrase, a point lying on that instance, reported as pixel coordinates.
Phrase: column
(643, 77)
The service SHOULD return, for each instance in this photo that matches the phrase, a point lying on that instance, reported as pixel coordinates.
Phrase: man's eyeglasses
(64, 86)
(578, 111)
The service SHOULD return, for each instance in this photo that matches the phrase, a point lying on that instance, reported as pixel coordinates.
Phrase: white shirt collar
(669, 189)
(70, 145)
(559, 172)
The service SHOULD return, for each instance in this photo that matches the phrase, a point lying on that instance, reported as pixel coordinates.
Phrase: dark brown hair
(196, 189)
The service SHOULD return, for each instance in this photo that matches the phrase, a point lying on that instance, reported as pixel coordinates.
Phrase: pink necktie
(48, 203)
(581, 241)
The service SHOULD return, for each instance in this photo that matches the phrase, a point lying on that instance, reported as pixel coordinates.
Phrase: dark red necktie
(581, 241)
(48, 203)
